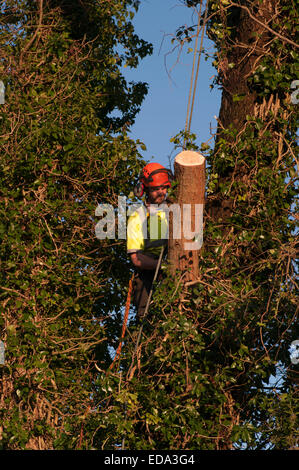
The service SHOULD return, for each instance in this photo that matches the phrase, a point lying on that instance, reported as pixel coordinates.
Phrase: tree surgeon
(147, 230)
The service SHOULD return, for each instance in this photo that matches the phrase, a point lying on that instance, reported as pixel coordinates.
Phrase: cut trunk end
(186, 215)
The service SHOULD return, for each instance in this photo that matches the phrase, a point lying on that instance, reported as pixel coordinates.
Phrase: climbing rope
(126, 315)
(193, 67)
(193, 82)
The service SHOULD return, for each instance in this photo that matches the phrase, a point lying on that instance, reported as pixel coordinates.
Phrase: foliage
(213, 369)
(64, 149)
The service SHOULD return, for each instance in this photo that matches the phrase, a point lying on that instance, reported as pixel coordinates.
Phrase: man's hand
(143, 261)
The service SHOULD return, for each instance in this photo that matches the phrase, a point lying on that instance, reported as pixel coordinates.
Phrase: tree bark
(185, 216)
(240, 55)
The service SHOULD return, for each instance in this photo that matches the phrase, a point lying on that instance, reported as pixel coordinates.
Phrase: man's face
(157, 194)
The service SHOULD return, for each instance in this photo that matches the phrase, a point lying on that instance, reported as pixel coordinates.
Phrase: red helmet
(154, 175)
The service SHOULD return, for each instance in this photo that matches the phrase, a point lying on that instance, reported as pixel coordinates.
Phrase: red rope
(128, 302)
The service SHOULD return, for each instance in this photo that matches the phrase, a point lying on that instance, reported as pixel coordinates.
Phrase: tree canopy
(212, 369)
(64, 149)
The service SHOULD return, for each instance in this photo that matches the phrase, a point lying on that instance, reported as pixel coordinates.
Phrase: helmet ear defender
(139, 190)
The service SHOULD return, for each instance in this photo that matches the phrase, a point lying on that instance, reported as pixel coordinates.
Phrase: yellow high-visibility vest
(147, 230)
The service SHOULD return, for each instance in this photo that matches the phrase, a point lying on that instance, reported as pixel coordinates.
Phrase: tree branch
(283, 38)
(29, 43)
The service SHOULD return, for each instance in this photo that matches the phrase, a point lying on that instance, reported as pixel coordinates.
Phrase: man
(147, 230)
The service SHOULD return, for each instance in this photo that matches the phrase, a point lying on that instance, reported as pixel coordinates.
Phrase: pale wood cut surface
(189, 158)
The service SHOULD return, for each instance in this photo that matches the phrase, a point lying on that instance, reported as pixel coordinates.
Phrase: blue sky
(164, 110)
